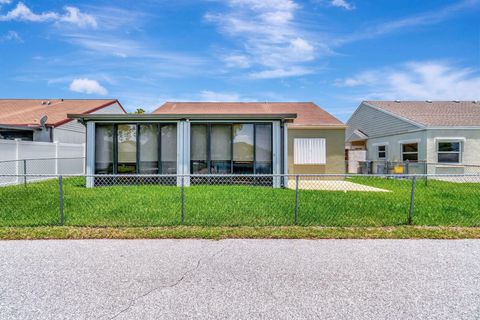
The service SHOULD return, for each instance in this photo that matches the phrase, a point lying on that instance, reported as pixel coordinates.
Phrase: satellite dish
(43, 120)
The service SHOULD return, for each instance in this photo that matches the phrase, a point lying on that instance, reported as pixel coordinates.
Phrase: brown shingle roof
(28, 112)
(308, 113)
(434, 113)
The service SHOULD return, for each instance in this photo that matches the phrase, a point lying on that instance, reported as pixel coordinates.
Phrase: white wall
(394, 145)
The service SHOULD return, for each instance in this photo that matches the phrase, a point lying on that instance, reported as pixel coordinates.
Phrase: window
(221, 149)
(168, 147)
(309, 151)
(198, 149)
(410, 152)
(382, 152)
(148, 145)
(103, 148)
(449, 152)
(127, 148)
(243, 148)
(263, 148)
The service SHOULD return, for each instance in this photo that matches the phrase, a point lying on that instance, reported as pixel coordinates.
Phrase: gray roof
(433, 113)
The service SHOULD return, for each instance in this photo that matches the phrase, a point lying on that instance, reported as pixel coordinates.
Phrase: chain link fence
(240, 200)
(28, 170)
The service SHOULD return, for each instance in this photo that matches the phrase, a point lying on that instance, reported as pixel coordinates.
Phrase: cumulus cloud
(430, 80)
(342, 4)
(72, 16)
(270, 38)
(87, 86)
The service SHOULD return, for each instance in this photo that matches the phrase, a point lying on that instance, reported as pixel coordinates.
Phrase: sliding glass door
(168, 147)
(145, 148)
(198, 149)
(243, 148)
(239, 148)
(104, 148)
(127, 148)
(148, 148)
(221, 149)
(263, 149)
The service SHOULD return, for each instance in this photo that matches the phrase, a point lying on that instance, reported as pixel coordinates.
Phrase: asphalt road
(240, 279)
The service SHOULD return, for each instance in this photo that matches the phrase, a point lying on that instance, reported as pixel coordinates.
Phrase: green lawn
(436, 204)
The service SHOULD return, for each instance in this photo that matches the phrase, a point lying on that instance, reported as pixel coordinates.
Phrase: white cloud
(72, 16)
(87, 86)
(280, 73)
(11, 36)
(342, 4)
(272, 43)
(5, 1)
(431, 80)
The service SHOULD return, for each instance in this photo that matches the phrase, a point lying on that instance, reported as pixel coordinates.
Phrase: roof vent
(456, 101)
(397, 101)
(43, 102)
(49, 103)
(428, 101)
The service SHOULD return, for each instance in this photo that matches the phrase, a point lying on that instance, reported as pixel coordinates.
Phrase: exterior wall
(470, 139)
(375, 123)
(42, 135)
(74, 132)
(335, 148)
(394, 142)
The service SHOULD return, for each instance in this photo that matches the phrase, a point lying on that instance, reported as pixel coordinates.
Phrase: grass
(436, 204)
(218, 233)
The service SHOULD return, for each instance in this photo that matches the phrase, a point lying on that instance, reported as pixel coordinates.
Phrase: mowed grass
(436, 204)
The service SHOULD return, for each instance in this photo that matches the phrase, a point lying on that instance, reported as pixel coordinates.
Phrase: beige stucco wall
(335, 145)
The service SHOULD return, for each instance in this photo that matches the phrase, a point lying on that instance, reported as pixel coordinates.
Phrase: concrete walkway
(240, 279)
(333, 185)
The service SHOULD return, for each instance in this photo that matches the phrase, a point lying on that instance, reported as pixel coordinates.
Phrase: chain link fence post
(296, 199)
(25, 172)
(412, 200)
(183, 199)
(60, 191)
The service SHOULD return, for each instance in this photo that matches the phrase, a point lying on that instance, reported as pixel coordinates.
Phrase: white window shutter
(309, 151)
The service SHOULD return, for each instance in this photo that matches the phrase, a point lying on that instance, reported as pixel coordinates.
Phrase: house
(46, 120)
(433, 136)
(216, 138)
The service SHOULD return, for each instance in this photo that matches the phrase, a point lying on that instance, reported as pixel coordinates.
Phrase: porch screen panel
(243, 148)
(198, 149)
(169, 149)
(148, 145)
(103, 148)
(127, 148)
(263, 149)
(221, 149)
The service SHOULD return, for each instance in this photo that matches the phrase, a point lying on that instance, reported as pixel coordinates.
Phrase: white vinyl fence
(43, 158)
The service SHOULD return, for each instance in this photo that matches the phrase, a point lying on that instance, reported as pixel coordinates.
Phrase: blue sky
(332, 52)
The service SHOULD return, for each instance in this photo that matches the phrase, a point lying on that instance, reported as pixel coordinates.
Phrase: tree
(139, 111)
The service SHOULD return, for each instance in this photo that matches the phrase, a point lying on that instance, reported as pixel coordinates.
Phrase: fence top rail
(338, 175)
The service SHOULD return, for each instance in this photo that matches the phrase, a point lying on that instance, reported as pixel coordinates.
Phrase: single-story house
(442, 136)
(46, 120)
(216, 138)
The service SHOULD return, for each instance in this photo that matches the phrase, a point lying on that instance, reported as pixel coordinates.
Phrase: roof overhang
(357, 135)
(287, 117)
(19, 127)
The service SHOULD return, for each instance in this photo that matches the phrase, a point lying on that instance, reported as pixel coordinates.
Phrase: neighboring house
(216, 138)
(46, 120)
(443, 133)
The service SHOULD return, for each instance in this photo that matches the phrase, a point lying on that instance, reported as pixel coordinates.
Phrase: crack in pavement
(174, 284)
